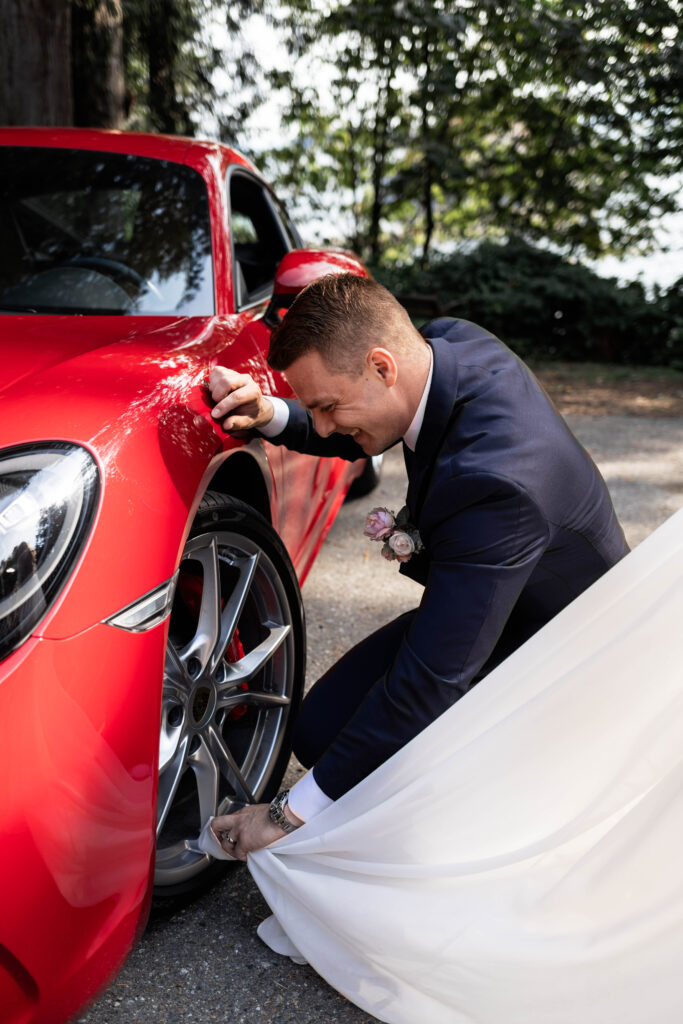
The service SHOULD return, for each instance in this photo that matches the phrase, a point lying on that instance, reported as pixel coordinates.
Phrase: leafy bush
(544, 306)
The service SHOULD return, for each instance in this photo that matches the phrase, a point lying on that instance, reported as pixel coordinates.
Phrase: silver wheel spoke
(174, 670)
(254, 699)
(233, 608)
(246, 668)
(206, 639)
(169, 780)
(174, 692)
(228, 765)
(207, 775)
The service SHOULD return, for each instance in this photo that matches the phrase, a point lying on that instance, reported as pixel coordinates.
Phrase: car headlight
(48, 499)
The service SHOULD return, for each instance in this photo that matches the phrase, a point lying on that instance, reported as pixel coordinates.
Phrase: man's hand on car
(239, 400)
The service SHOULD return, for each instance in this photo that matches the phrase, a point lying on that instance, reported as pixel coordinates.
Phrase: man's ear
(382, 364)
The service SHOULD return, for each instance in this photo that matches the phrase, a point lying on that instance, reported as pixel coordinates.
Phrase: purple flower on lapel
(401, 540)
(379, 524)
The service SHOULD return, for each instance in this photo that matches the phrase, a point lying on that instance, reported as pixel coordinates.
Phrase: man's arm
(242, 406)
(481, 556)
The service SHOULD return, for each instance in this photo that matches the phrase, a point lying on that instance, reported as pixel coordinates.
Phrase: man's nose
(323, 423)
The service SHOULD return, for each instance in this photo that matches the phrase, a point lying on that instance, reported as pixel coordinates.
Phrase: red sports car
(151, 631)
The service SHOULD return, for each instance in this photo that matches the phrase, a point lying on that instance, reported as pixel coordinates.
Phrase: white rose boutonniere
(401, 540)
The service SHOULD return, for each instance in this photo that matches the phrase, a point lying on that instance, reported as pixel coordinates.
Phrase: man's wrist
(291, 816)
(268, 411)
(278, 418)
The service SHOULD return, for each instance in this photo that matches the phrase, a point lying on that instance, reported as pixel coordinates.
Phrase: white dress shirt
(306, 798)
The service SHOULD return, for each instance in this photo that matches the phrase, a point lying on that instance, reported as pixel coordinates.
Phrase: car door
(261, 234)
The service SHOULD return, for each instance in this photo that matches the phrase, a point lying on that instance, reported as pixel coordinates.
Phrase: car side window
(288, 227)
(258, 240)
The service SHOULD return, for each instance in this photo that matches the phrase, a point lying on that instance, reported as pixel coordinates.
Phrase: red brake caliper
(234, 652)
(190, 590)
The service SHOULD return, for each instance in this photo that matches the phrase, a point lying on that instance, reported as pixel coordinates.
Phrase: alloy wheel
(228, 693)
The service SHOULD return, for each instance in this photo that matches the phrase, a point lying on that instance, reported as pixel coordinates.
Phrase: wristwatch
(276, 812)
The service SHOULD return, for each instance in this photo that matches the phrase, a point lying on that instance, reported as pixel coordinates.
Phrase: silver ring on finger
(233, 842)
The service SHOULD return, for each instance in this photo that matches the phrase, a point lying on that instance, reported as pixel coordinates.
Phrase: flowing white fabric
(521, 860)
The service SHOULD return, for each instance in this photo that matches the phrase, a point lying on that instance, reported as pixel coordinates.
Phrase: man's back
(505, 438)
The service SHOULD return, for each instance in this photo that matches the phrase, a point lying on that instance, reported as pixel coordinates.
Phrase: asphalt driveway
(205, 962)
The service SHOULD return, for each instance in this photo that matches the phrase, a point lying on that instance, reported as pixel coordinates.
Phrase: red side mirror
(301, 266)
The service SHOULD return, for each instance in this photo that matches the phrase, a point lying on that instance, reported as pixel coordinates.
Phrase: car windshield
(102, 233)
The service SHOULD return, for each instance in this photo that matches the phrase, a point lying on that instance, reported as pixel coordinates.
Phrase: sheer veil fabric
(521, 860)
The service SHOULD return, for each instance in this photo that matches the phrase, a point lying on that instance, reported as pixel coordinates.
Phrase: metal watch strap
(276, 811)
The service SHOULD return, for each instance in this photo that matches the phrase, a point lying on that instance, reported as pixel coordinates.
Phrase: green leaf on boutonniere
(402, 516)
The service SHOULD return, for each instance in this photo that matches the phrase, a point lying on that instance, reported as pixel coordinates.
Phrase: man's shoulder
(455, 329)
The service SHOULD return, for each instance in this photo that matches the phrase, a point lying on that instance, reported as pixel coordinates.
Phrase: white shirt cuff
(279, 420)
(307, 799)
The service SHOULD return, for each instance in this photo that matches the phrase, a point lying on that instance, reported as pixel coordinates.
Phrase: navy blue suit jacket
(516, 522)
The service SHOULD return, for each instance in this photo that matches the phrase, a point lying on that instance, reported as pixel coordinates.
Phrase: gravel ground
(205, 962)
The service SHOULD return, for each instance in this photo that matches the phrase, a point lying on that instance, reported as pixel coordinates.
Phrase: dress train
(520, 861)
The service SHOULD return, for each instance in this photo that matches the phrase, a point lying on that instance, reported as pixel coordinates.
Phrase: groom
(515, 519)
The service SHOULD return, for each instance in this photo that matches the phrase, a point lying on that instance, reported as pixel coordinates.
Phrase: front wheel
(233, 682)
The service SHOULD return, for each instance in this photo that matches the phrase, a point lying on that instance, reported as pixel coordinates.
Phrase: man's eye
(326, 408)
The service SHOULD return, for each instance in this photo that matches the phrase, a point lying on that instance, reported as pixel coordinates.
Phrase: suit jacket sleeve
(300, 436)
(481, 549)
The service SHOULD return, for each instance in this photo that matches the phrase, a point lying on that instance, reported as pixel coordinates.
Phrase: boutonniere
(400, 539)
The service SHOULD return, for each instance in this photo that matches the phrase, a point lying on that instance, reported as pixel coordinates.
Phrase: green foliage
(150, 65)
(169, 64)
(545, 119)
(545, 306)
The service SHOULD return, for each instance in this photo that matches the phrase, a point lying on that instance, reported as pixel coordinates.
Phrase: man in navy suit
(515, 519)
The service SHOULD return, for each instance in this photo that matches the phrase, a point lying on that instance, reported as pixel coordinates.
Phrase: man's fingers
(222, 381)
(222, 822)
(230, 824)
(244, 394)
(240, 402)
(238, 425)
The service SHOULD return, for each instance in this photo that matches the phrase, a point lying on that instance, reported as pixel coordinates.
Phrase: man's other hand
(239, 400)
(246, 830)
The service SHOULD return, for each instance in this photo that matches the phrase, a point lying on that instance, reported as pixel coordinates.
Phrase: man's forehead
(312, 381)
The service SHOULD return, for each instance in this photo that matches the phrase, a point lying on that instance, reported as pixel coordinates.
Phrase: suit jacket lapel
(439, 412)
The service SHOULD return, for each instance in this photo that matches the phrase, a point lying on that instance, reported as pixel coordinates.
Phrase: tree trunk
(427, 196)
(166, 113)
(97, 63)
(385, 108)
(428, 203)
(378, 161)
(35, 62)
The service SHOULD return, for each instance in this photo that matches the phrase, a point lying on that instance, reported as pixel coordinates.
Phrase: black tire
(233, 682)
(369, 478)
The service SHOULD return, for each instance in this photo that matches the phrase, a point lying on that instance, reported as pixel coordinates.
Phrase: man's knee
(305, 742)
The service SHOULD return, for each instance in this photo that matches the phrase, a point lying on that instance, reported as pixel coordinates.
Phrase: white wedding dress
(521, 860)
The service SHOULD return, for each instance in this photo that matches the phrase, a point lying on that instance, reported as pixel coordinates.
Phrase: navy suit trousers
(337, 695)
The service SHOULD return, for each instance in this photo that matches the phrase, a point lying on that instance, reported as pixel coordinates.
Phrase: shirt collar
(411, 435)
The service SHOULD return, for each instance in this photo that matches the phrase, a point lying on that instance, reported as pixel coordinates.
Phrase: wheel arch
(245, 474)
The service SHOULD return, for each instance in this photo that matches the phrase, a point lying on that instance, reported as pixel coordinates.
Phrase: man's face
(365, 406)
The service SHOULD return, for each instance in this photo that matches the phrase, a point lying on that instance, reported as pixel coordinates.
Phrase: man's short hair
(340, 316)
